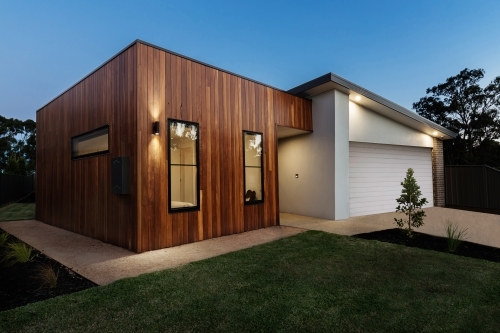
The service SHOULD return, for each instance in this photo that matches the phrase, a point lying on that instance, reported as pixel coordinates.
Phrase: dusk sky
(396, 49)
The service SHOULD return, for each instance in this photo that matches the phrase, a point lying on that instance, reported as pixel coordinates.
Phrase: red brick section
(438, 173)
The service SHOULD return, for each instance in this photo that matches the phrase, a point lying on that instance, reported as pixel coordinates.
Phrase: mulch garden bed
(20, 283)
(428, 242)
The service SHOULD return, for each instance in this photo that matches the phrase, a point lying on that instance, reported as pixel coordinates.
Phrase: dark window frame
(102, 152)
(261, 170)
(183, 209)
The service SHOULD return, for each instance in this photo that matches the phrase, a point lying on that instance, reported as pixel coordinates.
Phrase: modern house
(154, 149)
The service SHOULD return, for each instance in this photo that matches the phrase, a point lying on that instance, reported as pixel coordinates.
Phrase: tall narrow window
(254, 180)
(183, 166)
(92, 143)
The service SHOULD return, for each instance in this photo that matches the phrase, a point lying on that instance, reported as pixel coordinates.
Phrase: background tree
(410, 204)
(462, 106)
(17, 146)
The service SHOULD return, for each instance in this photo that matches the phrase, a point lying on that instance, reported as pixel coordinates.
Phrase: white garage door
(376, 172)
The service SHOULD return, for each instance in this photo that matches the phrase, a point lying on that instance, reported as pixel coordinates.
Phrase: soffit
(373, 102)
(285, 132)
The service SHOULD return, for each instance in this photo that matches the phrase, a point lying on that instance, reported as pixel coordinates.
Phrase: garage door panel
(399, 160)
(367, 147)
(387, 177)
(374, 210)
(362, 187)
(377, 194)
(361, 172)
(379, 200)
(376, 172)
(396, 162)
(386, 153)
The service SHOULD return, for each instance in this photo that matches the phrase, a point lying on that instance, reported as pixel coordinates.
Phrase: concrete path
(104, 263)
(481, 228)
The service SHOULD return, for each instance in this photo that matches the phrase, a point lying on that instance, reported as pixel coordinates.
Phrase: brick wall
(438, 173)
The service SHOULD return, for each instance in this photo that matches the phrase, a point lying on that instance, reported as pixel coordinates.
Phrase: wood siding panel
(141, 85)
(224, 105)
(76, 194)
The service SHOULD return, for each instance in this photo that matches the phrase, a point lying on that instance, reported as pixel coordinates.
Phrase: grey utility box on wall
(120, 175)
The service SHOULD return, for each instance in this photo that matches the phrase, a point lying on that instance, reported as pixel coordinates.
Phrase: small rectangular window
(183, 165)
(92, 143)
(252, 155)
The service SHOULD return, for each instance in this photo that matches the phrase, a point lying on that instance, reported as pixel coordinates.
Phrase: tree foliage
(462, 106)
(410, 204)
(17, 146)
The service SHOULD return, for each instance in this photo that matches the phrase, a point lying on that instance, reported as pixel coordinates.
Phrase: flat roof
(372, 101)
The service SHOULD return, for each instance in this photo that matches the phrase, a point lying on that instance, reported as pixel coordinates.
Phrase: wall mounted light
(156, 128)
(357, 98)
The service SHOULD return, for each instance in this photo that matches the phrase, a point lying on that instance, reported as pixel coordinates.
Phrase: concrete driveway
(481, 228)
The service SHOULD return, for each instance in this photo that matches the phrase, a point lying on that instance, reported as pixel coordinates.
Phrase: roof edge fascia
(347, 87)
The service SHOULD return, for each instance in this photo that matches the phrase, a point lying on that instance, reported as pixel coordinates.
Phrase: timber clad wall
(224, 105)
(76, 194)
(141, 85)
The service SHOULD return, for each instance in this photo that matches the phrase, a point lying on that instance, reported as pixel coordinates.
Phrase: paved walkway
(481, 228)
(104, 263)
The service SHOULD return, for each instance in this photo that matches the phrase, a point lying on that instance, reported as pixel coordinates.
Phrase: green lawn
(17, 211)
(310, 282)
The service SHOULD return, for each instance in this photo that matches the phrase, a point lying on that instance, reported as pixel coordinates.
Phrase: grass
(3, 238)
(17, 252)
(17, 211)
(313, 281)
(454, 236)
(47, 276)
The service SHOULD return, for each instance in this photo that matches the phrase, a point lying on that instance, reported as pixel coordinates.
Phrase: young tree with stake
(410, 204)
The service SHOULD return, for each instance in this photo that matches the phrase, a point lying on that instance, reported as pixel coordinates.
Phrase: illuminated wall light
(156, 128)
(435, 133)
(357, 98)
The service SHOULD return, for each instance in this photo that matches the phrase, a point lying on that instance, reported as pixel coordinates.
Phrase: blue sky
(396, 49)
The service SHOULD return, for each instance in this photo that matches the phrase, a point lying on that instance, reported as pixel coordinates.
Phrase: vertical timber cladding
(76, 194)
(170, 86)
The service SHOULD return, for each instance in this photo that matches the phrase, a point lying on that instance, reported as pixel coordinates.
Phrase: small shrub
(47, 276)
(454, 235)
(3, 238)
(17, 252)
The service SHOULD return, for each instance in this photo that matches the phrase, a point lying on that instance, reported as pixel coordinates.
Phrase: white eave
(373, 102)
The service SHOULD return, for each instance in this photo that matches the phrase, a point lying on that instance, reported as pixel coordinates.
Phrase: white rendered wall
(341, 168)
(312, 157)
(321, 160)
(371, 127)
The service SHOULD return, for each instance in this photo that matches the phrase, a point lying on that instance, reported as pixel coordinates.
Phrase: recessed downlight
(357, 98)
